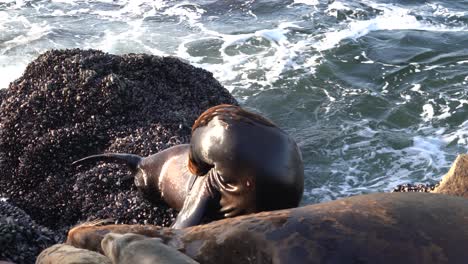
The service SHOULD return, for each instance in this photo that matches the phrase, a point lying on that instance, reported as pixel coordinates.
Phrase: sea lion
(248, 161)
(132, 248)
(376, 228)
(66, 254)
(237, 163)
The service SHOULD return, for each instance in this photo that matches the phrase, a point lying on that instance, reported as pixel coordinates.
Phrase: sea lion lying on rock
(375, 228)
(66, 254)
(237, 163)
(133, 249)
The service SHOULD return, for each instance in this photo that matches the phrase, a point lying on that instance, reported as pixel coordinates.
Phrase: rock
(66, 254)
(2, 94)
(21, 239)
(455, 182)
(72, 103)
(133, 248)
(414, 188)
(376, 228)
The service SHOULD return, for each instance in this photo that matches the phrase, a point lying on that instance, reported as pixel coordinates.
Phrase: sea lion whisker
(96, 222)
(212, 184)
(131, 160)
(226, 186)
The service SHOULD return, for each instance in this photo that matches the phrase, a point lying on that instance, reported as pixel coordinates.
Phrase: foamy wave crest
(186, 12)
(438, 9)
(459, 136)
(444, 110)
(392, 18)
(258, 58)
(20, 41)
(130, 9)
(33, 32)
(307, 2)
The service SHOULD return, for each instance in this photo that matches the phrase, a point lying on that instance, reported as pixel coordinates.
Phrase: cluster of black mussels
(72, 103)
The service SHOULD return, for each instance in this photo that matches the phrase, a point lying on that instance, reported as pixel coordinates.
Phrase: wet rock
(2, 94)
(72, 103)
(455, 182)
(21, 238)
(408, 187)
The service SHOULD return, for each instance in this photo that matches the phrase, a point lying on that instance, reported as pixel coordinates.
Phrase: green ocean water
(374, 92)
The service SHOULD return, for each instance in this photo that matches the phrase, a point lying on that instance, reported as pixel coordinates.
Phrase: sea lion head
(252, 163)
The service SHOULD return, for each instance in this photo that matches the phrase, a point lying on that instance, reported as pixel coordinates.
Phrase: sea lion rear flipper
(195, 205)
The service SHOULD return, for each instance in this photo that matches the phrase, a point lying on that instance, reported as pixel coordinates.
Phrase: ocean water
(373, 91)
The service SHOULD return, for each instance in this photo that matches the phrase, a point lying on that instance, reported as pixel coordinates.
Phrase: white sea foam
(3, 17)
(393, 18)
(35, 32)
(459, 136)
(273, 60)
(429, 150)
(186, 11)
(71, 2)
(440, 10)
(307, 2)
(416, 88)
(428, 112)
(425, 157)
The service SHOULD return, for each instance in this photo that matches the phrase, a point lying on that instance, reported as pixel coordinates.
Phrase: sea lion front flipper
(195, 204)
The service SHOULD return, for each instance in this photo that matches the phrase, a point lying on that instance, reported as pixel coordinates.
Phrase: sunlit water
(373, 91)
